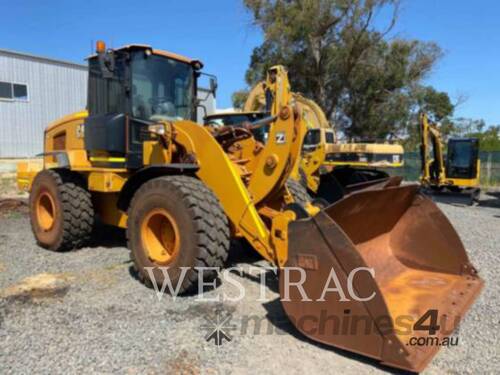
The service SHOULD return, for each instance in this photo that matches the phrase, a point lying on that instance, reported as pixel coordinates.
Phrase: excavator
(458, 172)
(136, 159)
(328, 168)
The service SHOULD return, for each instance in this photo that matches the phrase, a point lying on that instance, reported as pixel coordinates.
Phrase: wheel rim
(45, 211)
(160, 236)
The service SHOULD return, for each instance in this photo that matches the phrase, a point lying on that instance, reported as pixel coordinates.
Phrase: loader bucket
(421, 272)
(332, 189)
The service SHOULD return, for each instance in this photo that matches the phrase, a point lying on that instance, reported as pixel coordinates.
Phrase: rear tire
(174, 222)
(61, 210)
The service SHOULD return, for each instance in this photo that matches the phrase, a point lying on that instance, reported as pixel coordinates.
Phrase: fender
(148, 173)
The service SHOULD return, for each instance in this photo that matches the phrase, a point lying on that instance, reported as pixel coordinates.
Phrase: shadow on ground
(278, 318)
(488, 199)
(491, 199)
(108, 236)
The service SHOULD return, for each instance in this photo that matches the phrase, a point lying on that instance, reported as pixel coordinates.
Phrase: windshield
(330, 137)
(312, 138)
(161, 88)
(460, 154)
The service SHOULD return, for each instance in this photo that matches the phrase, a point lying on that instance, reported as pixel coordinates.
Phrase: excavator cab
(456, 170)
(462, 158)
(312, 140)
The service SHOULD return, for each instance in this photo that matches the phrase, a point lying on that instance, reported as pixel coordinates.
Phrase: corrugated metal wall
(54, 90)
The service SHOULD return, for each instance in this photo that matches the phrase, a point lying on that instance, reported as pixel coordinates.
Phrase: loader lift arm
(327, 168)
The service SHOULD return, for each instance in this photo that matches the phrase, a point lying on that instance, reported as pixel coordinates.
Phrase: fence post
(488, 170)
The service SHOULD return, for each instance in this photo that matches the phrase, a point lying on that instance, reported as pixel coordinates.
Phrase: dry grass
(8, 186)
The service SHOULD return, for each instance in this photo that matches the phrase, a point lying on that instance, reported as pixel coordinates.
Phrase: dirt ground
(84, 312)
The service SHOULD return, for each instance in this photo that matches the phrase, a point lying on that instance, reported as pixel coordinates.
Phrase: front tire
(174, 222)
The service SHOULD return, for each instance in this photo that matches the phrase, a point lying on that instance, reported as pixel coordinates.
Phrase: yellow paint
(313, 117)
(250, 175)
(160, 236)
(106, 182)
(280, 235)
(26, 172)
(155, 153)
(72, 125)
(78, 159)
(222, 176)
(368, 148)
(107, 159)
(81, 115)
(105, 207)
(431, 136)
(284, 140)
(45, 210)
(473, 182)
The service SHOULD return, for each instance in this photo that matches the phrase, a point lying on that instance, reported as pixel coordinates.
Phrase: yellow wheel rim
(160, 236)
(45, 211)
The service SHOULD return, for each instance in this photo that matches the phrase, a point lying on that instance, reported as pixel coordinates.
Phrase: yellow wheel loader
(329, 169)
(458, 172)
(137, 160)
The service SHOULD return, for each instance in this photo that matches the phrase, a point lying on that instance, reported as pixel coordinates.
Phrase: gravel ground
(102, 320)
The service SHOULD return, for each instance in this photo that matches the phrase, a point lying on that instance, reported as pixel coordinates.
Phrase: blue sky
(220, 33)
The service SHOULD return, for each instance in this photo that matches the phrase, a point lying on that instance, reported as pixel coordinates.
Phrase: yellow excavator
(458, 172)
(328, 168)
(137, 159)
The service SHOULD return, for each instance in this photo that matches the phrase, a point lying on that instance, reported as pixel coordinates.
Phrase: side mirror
(213, 86)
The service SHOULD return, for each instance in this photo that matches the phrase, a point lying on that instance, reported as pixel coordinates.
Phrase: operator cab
(462, 157)
(313, 139)
(131, 88)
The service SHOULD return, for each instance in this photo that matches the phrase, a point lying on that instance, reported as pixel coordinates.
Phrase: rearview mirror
(213, 85)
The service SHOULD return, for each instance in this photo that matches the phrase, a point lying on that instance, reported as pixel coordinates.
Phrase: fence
(490, 167)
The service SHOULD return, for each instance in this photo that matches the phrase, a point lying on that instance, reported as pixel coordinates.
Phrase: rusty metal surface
(375, 184)
(419, 262)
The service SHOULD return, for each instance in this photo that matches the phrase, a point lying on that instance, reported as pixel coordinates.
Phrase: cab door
(462, 158)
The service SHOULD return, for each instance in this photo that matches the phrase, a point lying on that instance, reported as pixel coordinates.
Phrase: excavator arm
(433, 168)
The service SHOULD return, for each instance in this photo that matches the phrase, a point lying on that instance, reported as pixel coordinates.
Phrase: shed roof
(47, 60)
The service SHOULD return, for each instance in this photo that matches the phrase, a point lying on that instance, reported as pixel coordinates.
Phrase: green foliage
(489, 138)
(436, 104)
(238, 98)
(368, 86)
